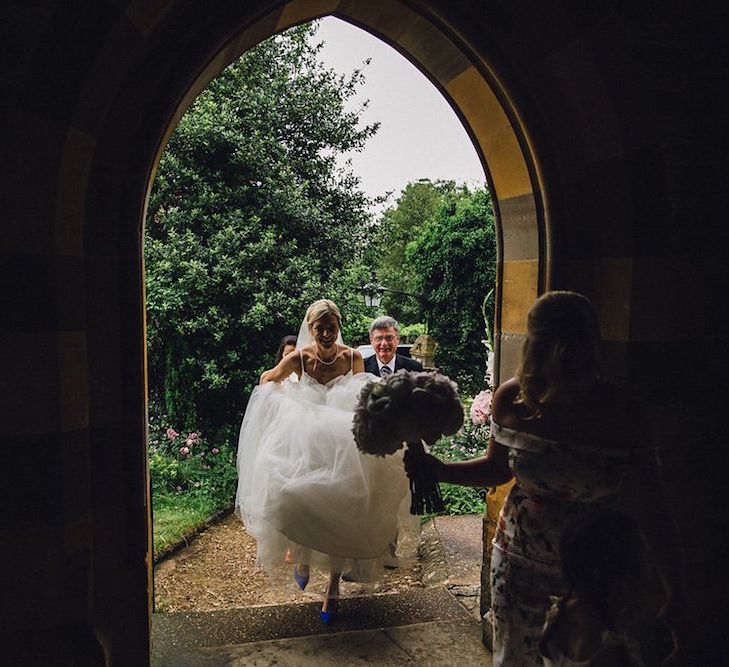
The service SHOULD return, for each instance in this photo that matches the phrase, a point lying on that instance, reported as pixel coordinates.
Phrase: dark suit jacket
(401, 362)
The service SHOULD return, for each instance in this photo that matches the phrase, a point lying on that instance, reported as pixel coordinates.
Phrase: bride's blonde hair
(319, 309)
(561, 351)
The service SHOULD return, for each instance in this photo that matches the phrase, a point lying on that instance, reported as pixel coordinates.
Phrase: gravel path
(217, 571)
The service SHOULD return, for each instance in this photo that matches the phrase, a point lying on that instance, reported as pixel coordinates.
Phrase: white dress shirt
(390, 364)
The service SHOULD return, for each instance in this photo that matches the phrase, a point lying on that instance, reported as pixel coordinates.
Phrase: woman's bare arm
(357, 362)
(490, 470)
(289, 364)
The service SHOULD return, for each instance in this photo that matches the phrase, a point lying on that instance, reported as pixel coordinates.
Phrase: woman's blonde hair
(319, 309)
(561, 351)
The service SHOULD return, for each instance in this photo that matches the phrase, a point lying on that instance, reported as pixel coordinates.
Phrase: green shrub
(187, 463)
(192, 479)
(469, 443)
(462, 499)
(409, 332)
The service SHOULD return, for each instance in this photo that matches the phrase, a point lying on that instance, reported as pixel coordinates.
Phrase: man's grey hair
(384, 322)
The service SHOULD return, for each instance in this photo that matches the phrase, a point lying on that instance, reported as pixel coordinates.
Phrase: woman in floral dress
(574, 444)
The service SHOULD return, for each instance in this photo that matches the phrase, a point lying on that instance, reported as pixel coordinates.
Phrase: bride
(305, 492)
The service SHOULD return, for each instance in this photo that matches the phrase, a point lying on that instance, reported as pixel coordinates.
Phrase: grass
(178, 516)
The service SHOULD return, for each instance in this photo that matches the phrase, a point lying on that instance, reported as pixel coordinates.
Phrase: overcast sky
(419, 135)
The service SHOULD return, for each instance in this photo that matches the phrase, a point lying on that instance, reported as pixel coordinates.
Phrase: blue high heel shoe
(300, 579)
(330, 615)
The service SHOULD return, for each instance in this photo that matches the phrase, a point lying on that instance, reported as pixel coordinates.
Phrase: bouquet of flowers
(409, 408)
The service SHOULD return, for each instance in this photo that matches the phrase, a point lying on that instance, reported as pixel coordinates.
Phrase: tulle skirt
(305, 488)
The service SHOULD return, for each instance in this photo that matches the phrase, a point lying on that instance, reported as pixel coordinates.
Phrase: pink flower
(481, 407)
(184, 451)
(190, 441)
(193, 438)
(171, 433)
(215, 450)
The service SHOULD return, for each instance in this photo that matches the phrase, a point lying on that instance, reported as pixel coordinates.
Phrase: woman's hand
(673, 616)
(490, 470)
(417, 464)
(289, 364)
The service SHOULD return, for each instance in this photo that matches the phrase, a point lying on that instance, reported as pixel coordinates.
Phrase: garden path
(217, 571)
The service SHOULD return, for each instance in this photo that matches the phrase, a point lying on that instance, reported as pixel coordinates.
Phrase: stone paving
(415, 627)
(451, 551)
(435, 644)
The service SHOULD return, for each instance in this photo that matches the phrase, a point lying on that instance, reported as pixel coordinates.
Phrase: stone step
(403, 628)
(435, 644)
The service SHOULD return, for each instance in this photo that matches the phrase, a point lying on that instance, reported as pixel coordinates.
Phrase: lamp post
(373, 292)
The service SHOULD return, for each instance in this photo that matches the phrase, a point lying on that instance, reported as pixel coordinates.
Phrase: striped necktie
(385, 371)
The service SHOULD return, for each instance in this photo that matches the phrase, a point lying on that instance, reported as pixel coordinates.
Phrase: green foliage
(202, 474)
(438, 241)
(249, 221)
(356, 317)
(453, 260)
(409, 332)
(189, 463)
(359, 330)
(398, 226)
(470, 442)
(462, 499)
(191, 480)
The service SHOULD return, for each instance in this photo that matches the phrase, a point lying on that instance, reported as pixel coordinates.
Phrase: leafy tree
(453, 261)
(398, 226)
(250, 220)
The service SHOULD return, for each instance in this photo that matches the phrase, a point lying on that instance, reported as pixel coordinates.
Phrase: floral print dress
(556, 483)
(609, 641)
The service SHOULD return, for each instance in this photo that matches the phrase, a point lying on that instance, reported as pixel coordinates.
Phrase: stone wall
(597, 125)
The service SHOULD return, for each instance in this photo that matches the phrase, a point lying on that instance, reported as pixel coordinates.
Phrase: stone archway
(483, 107)
(592, 125)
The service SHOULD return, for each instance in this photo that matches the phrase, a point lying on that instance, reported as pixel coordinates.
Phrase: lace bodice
(313, 382)
(307, 379)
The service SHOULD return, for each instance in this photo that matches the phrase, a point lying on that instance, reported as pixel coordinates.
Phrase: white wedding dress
(303, 486)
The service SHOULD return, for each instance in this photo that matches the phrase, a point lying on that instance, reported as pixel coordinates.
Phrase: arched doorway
(118, 168)
(621, 110)
(499, 142)
(486, 111)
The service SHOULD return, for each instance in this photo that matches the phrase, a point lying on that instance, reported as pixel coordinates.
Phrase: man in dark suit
(384, 338)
